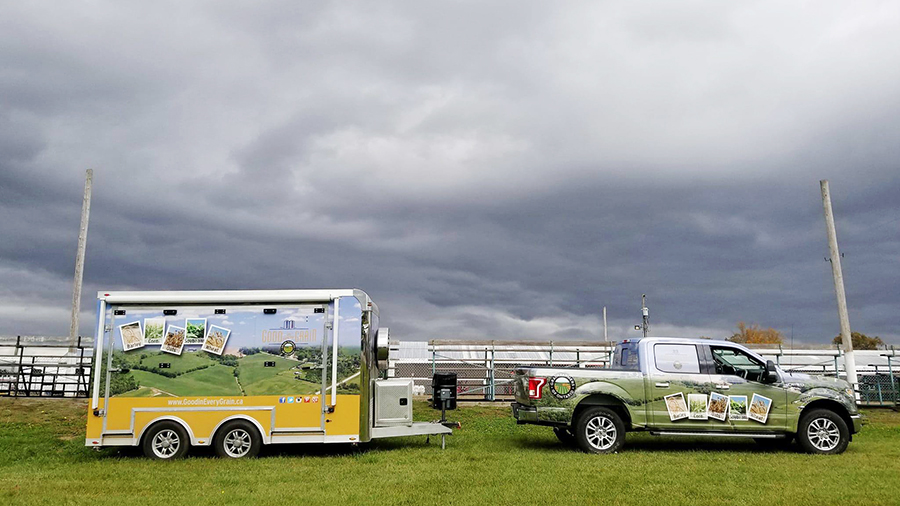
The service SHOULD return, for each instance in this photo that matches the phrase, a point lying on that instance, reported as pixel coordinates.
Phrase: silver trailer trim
(416, 429)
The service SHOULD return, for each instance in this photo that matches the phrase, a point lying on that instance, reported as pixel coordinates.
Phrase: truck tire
(600, 430)
(237, 439)
(166, 441)
(823, 431)
(565, 436)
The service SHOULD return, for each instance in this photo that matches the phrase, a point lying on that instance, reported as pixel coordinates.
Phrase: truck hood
(804, 382)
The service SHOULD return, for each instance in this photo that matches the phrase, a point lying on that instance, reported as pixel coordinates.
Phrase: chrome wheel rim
(237, 443)
(823, 434)
(601, 432)
(166, 443)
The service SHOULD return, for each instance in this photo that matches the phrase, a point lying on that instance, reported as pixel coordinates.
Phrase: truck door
(753, 405)
(676, 386)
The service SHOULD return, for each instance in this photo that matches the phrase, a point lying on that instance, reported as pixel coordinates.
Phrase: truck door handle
(662, 384)
(723, 386)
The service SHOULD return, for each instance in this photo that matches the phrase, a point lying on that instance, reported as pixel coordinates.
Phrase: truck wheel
(237, 439)
(823, 431)
(166, 441)
(565, 436)
(600, 430)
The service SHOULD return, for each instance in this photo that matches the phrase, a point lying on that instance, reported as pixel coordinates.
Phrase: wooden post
(849, 359)
(79, 256)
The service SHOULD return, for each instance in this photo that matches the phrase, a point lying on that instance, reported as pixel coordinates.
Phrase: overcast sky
(497, 170)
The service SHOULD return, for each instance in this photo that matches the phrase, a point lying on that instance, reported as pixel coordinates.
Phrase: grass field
(177, 363)
(489, 461)
(214, 380)
(253, 369)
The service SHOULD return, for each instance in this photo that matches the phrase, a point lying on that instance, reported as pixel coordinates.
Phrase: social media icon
(290, 400)
(281, 400)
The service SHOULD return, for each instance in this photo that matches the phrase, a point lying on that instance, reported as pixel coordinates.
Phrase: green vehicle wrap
(696, 394)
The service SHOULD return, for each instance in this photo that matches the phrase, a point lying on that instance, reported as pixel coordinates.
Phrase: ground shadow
(647, 443)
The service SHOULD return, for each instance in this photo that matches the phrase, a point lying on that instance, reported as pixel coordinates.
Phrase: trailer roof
(235, 296)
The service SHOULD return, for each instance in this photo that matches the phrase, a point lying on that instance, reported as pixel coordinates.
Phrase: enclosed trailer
(241, 369)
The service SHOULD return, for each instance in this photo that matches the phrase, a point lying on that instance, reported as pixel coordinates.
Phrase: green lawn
(214, 380)
(177, 363)
(283, 383)
(253, 369)
(489, 461)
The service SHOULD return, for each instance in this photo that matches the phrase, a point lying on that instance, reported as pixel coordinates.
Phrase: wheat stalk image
(174, 339)
(758, 408)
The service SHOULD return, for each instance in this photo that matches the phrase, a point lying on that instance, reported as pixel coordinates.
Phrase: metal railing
(30, 369)
(486, 370)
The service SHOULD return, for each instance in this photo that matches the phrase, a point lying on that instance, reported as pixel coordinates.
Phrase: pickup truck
(687, 387)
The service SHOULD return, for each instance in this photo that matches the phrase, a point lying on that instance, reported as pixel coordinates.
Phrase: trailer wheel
(237, 439)
(823, 431)
(166, 441)
(600, 430)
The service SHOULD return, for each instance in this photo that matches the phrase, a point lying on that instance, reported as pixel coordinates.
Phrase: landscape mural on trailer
(241, 352)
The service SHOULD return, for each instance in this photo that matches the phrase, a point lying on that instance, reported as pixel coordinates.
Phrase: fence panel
(45, 370)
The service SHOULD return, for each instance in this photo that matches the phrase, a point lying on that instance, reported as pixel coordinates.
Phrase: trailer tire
(166, 440)
(237, 439)
(600, 430)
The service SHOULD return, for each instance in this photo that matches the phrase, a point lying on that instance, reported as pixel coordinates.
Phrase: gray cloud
(498, 171)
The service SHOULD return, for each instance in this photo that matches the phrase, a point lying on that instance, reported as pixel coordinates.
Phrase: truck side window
(625, 356)
(735, 362)
(677, 358)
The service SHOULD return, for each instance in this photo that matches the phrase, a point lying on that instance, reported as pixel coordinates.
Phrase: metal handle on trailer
(334, 350)
(98, 355)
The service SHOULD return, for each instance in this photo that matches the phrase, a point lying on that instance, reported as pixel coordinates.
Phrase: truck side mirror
(771, 374)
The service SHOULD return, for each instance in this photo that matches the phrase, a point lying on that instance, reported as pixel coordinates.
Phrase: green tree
(861, 341)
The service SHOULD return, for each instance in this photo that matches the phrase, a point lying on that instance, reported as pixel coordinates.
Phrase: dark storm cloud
(499, 171)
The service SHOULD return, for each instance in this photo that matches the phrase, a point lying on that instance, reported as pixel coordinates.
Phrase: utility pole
(79, 256)
(605, 335)
(849, 360)
(645, 312)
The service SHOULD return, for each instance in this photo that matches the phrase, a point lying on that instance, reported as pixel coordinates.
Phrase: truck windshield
(626, 356)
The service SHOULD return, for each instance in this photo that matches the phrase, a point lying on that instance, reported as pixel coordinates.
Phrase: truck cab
(687, 387)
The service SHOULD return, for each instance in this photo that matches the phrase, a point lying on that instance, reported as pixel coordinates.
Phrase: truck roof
(691, 340)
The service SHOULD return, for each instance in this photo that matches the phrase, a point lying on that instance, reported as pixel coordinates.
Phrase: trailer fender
(266, 438)
(187, 428)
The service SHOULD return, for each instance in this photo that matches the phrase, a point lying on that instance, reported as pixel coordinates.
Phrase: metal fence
(485, 370)
(36, 369)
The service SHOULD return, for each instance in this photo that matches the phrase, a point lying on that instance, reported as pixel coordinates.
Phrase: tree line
(754, 334)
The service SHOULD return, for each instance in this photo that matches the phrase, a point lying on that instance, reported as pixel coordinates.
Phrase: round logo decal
(287, 347)
(562, 387)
